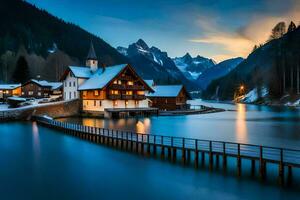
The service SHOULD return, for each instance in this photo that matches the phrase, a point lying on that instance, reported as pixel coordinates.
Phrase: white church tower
(91, 60)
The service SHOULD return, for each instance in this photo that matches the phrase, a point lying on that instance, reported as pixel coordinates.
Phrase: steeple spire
(91, 55)
(91, 60)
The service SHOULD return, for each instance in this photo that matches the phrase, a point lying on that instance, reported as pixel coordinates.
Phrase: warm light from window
(130, 83)
(141, 92)
(96, 92)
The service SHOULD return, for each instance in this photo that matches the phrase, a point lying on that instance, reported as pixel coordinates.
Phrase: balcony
(139, 97)
(127, 97)
(126, 87)
(126, 78)
(114, 96)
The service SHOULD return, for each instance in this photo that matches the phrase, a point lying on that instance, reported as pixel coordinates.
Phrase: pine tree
(292, 26)
(21, 73)
(278, 31)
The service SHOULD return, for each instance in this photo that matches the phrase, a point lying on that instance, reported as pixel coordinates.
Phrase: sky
(218, 29)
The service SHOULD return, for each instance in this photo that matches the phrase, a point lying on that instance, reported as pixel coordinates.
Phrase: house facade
(169, 97)
(9, 90)
(41, 89)
(117, 86)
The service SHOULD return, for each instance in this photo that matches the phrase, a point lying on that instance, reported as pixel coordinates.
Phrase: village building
(111, 87)
(9, 90)
(169, 97)
(41, 89)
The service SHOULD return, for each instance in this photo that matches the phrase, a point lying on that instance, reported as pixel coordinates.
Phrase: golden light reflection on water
(241, 125)
(92, 122)
(36, 139)
(143, 126)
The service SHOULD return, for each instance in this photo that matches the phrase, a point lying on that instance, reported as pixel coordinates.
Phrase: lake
(264, 125)
(41, 163)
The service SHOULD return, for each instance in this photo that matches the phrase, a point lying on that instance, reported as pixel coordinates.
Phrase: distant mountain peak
(142, 44)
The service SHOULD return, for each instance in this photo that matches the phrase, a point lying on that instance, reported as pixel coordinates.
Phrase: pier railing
(170, 145)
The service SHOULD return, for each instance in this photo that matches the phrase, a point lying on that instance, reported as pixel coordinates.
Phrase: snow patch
(253, 95)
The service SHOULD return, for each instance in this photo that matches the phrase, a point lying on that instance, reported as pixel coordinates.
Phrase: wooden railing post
(148, 145)
(154, 145)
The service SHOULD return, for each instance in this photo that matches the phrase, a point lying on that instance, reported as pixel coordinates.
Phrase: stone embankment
(53, 109)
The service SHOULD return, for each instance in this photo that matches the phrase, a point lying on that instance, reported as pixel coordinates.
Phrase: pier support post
(211, 158)
(239, 161)
(281, 169)
(253, 167)
(183, 153)
(224, 157)
(174, 154)
(262, 165)
(148, 145)
(290, 175)
(203, 158)
(196, 154)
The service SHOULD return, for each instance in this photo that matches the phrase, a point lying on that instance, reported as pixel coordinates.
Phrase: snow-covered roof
(9, 86)
(149, 82)
(52, 85)
(81, 72)
(101, 78)
(166, 91)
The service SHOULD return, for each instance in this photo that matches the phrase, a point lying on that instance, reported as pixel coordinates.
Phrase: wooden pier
(188, 150)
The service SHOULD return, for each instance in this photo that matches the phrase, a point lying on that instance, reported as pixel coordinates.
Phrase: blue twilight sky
(218, 29)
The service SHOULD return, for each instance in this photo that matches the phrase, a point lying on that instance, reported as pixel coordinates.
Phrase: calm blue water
(40, 163)
(273, 126)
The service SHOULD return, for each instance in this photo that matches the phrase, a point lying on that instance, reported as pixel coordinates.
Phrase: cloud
(239, 42)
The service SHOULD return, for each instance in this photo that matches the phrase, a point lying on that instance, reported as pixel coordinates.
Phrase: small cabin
(9, 90)
(169, 97)
(41, 89)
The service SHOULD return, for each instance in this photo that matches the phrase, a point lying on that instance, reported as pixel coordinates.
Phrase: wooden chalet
(101, 89)
(41, 89)
(9, 90)
(169, 97)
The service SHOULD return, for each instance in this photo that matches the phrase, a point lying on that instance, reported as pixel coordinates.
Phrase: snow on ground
(253, 96)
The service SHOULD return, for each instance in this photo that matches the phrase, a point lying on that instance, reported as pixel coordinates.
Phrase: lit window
(119, 82)
(115, 82)
(130, 83)
(30, 93)
(39, 93)
(126, 102)
(96, 92)
(128, 92)
(114, 92)
(136, 103)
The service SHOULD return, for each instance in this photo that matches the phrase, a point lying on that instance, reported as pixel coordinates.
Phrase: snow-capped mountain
(193, 67)
(217, 71)
(152, 63)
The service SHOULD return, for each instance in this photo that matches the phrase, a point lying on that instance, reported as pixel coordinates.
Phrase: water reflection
(241, 124)
(36, 140)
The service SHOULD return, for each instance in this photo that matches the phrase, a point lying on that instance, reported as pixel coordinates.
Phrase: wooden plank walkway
(174, 147)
